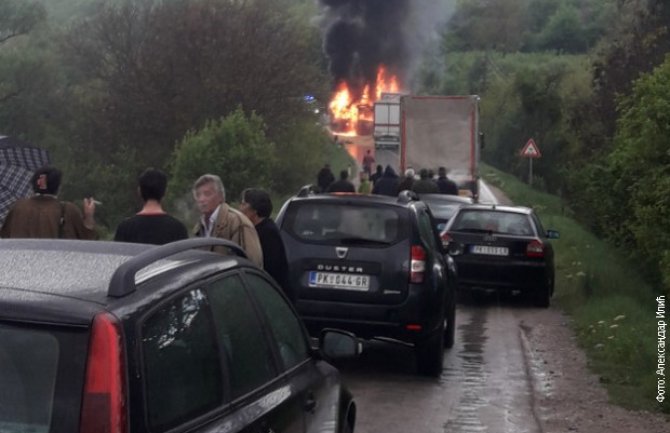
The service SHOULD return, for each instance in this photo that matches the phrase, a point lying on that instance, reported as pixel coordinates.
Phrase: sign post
(531, 151)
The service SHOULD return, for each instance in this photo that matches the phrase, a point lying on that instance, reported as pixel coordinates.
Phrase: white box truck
(433, 131)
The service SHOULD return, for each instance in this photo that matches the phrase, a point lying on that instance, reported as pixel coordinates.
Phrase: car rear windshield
(442, 210)
(346, 223)
(510, 223)
(28, 367)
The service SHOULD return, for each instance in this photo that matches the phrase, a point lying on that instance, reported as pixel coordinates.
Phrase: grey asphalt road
(485, 386)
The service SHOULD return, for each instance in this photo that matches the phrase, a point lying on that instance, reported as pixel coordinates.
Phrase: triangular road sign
(530, 150)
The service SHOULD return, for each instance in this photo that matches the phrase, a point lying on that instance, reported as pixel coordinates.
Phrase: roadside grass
(612, 308)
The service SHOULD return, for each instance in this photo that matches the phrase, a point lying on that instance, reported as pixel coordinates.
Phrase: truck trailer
(432, 132)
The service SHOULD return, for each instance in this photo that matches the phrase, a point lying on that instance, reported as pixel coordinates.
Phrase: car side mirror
(337, 344)
(553, 234)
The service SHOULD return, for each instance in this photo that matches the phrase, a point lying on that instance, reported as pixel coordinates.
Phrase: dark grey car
(372, 265)
(105, 337)
(502, 248)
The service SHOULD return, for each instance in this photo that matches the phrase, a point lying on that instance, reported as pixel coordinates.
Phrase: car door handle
(310, 403)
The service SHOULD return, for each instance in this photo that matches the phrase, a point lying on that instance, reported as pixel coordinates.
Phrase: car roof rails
(407, 196)
(307, 190)
(123, 280)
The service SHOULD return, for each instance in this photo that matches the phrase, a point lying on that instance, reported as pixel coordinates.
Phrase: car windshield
(28, 367)
(510, 223)
(346, 224)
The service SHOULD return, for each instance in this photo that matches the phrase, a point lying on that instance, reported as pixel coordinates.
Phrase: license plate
(330, 280)
(491, 251)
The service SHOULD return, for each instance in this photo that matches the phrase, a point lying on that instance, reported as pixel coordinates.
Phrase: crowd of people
(385, 181)
(44, 216)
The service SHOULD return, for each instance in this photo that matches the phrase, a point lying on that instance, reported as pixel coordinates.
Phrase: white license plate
(331, 280)
(491, 251)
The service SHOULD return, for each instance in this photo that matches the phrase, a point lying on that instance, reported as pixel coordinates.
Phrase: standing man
(222, 221)
(324, 178)
(342, 185)
(446, 185)
(151, 225)
(368, 162)
(425, 185)
(44, 216)
(257, 206)
(387, 184)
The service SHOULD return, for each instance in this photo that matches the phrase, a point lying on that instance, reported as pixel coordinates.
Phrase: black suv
(372, 265)
(102, 337)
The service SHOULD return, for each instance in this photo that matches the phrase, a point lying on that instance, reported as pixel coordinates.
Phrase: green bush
(234, 148)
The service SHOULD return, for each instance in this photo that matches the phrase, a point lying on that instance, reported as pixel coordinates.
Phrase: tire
(450, 332)
(430, 354)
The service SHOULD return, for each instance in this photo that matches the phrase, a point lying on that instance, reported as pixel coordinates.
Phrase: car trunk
(362, 256)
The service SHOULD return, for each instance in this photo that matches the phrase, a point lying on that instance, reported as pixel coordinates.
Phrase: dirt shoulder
(568, 397)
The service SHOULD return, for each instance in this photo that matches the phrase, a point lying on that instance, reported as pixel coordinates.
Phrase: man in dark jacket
(444, 184)
(324, 178)
(425, 185)
(407, 181)
(257, 206)
(377, 175)
(387, 184)
(342, 185)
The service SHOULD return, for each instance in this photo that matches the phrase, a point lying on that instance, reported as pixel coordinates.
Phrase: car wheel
(450, 332)
(430, 354)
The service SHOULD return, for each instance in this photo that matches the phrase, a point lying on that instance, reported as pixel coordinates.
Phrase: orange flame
(347, 114)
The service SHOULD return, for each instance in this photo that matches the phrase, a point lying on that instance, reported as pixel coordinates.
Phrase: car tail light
(445, 240)
(417, 264)
(103, 409)
(535, 248)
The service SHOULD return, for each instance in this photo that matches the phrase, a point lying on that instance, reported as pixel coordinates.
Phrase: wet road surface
(486, 384)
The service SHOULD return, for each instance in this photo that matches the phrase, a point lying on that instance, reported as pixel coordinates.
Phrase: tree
(235, 148)
(18, 18)
(640, 163)
(142, 73)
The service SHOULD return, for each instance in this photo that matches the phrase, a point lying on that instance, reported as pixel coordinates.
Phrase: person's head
(424, 174)
(380, 169)
(209, 193)
(368, 152)
(256, 204)
(442, 172)
(364, 176)
(409, 173)
(46, 180)
(344, 174)
(152, 184)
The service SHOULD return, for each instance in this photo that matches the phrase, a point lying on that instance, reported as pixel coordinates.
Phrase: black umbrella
(18, 162)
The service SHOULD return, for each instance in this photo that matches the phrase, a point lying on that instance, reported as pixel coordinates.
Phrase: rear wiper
(353, 240)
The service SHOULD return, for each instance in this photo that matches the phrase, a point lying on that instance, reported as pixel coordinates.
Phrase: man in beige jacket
(222, 221)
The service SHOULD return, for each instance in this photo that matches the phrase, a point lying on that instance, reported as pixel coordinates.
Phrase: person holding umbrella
(44, 216)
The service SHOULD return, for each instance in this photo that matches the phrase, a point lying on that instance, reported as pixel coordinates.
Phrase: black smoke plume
(360, 35)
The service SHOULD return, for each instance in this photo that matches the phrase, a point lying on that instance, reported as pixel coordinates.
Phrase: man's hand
(89, 213)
